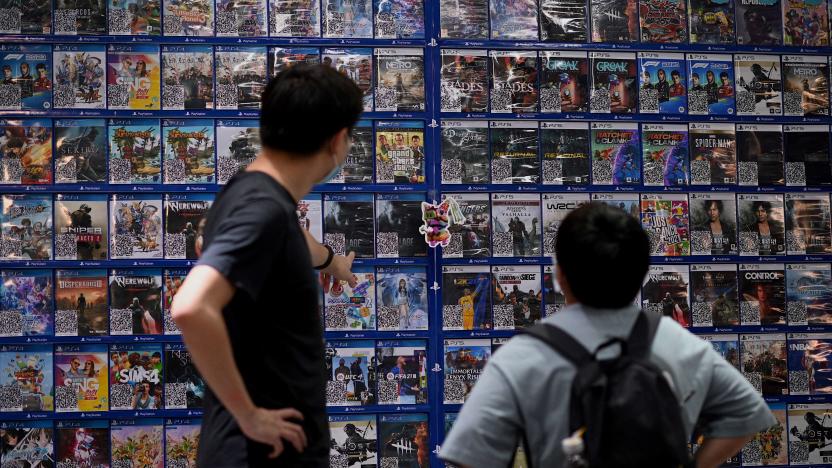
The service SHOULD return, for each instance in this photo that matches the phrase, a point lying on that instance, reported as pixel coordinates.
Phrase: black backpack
(632, 417)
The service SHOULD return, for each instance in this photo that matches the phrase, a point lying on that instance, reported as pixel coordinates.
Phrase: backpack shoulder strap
(643, 333)
(561, 342)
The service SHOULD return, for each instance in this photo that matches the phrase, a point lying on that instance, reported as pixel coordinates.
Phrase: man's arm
(341, 266)
(714, 452)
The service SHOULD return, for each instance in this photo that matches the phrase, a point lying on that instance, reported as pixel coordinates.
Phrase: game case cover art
(80, 151)
(357, 64)
(514, 20)
(805, 85)
(663, 21)
(662, 87)
(184, 224)
(466, 298)
(563, 81)
(30, 17)
(553, 297)
(556, 206)
(135, 17)
(310, 215)
(728, 346)
(464, 85)
(805, 23)
(398, 218)
(762, 294)
(807, 224)
(27, 303)
(516, 225)
(465, 360)
(615, 153)
(184, 387)
(401, 372)
(666, 292)
(181, 441)
(472, 238)
(465, 153)
(353, 440)
(358, 167)
(759, 85)
(241, 74)
(345, 18)
(759, 155)
(188, 75)
(84, 443)
(665, 154)
(400, 152)
(80, 17)
(713, 297)
(807, 155)
(513, 82)
(81, 227)
(514, 147)
(27, 373)
(759, 22)
(284, 58)
(810, 433)
(81, 302)
(138, 443)
(614, 20)
(762, 224)
(27, 227)
(136, 302)
(136, 226)
(626, 202)
(241, 18)
(349, 222)
(463, 19)
(710, 84)
(809, 293)
(348, 307)
(764, 363)
(713, 219)
(133, 77)
(28, 443)
(563, 21)
(294, 18)
(404, 438)
(808, 363)
(768, 447)
(399, 19)
(238, 142)
(26, 151)
(665, 218)
(711, 21)
(135, 151)
(517, 296)
(400, 81)
(401, 295)
(564, 148)
(189, 147)
(614, 83)
(81, 378)
(26, 83)
(351, 369)
(79, 76)
(174, 277)
(136, 377)
(188, 17)
(713, 154)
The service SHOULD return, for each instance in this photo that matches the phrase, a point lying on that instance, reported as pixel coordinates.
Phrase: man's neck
(287, 171)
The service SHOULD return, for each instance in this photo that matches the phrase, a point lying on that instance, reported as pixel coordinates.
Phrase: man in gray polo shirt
(603, 255)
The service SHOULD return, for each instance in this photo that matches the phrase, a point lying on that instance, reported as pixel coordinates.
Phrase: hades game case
(711, 21)
(759, 86)
(514, 146)
(238, 142)
(465, 152)
(357, 64)
(714, 296)
(27, 373)
(464, 85)
(662, 87)
(615, 153)
(349, 224)
(555, 208)
(358, 167)
(81, 378)
(713, 154)
(553, 297)
(136, 226)
(807, 224)
(79, 76)
(472, 238)
(135, 151)
(463, 19)
(805, 85)
(284, 58)
(764, 363)
(136, 377)
(351, 308)
(353, 440)
(81, 302)
(513, 82)
(399, 19)
(185, 221)
(26, 151)
(464, 362)
(808, 373)
(626, 202)
(666, 292)
(400, 80)
(761, 221)
(401, 372)
(404, 438)
(665, 218)
(294, 18)
(614, 83)
(189, 151)
(29, 443)
(563, 81)
(174, 277)
(133, 77)
(400, 152)
(564, 150)
(614, 20)
(809, 426)
(27, 227)
(713, 219)
(807, 155)
(663, 21)
(517, 296)
(188, 75)
(728, 346)
(241, 74)
(710, 84)
(27, 303)
(138, 443)
(402, 298)
(241, 18)
(85, 443)
(181, 441)
(351, 373)
(184, 387)
(809, 293)
(188, 17)
(398, 219)
(514, 20)
(80, 151)
(136, 302)
(81, 226)
(665, 150)
(310, 215)
(563, 21)
(135, 17)
(759, 22)
(30, 18)
(345, 18)
(466, 298)
(762, 294)
(759, 155)
(516, 225)
(806, 23)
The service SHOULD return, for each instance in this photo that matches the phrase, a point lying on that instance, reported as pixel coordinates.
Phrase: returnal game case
(188, 76)
(517, 296)
(399, 19)
(466, 298)
(662, 86)
(189, 147)
(401, 372)
(238, 142)
(184, 224)
(464, 362)
(136, 226)
(614, 20)
(81, 226)
(713, 154)
(564, 150)
(665, 150)
(472, 238)
(400, 152)
(351, 370)
(398, 218)
(665, 219)
(404, 440)
(809, 423)
(138, 443)
(761, 221)
(711, 21)
(759, 22)
(349, 224)
(563, 21)
(357, 64)
(513, 82)
(26, 372)
(402, 298)
(808, 294)
(805, 85)
(80, 151)
(184, 387)
(358, 168)
(135, 151)
(614, 83)
(294, 18)
(133, 77)
(241, 18)
(714, 296)
(514, 146)
(663, 21)
(759, 155)
(713, 219)
(463, 19)
(79, 76)
(284, 58)
(762, 294)
(464, 86)
(563, 81)
(806, 23)
(345, 18)
(807, 155)
(807, 224)
(83, 442)
(27, 227)
(556, 206)
(81, 378)
(188, 17)
(241, 75)
(136, 302)
(26, 151)
(353, 440)
(27, 302)
(764, 364)
(759, 86)
(514, 20)
(136, 377)
(81, 302)
(30, 443)
(711, 84)
(666, 292)
(465, 152)
(400, 80)
(516, 221)
(615, 153)
(807, 363)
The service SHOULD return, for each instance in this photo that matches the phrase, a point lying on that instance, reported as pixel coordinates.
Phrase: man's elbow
(184, 313)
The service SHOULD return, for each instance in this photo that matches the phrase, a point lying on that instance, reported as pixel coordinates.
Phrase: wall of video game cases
(708, 120)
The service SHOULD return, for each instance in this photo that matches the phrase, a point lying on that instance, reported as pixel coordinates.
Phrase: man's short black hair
(767, 206)
(306, 105)
(717, 203)
(604, 254)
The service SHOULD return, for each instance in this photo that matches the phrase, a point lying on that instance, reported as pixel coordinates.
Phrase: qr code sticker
(11, 248)
(387, 99)
(451, 171)
(121, 396)
(388, 318)
(173, 25)
(333, 24)
(66, 398)
(454, 248)
(339, 461)
(121, 322)
(552, 171)
(227, 96)
(119, 21)
(12, 170)
(171, 328)
(795, 241)
(121, 171)
(336, 316)
(68, 464)
(501, 171)
(653, 308)
(698, 102)
(173, 97)
(122, 246)
(749, 313)
(500, 100)
(385, 172)
(602, 172)
(176, 396)
(10, 20)
(389, 462)
(795, 173)
(66, 322)
(798, 382)
(599, 100)
(749, 242)
(10, 96)
(745, 102)
(797, 313)
(550, 240)
(654, 174)
(11, 398)
(452, 317)
(798, 451)
(388, 244)
(66, 171)
(66, 246)
(177, 463)
(226, 168)
(11, 323)
(454, 392)
(118, 96)
(550, 100)
(649, 100)
(503, 317)
(702, 316)
(793, 103)
(752, 453)
(388, 392)
(175, 172)
(226, 23)
(701, 242)
(337, 241)
(552, 309)
(451, 99)
(336, 392)
(700, 172)
(747, 173)
(503, 245)
(66, 21)
(175, 246)
(385, 26)
(63, 96)
(123, 463)
(756, 380)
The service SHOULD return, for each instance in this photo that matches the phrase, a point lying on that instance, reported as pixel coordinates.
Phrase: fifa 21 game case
(805, 85)
(626, 202)
(400, 152)
(187, 77)
(762, 224)
(615, 153)
(136, 302)
(184, 387)
(564, 150)
(514, 20)
(79, 76)
(516, 224)
(27, 72)
(402, 298)
(665, 218)
(124, 434)
(465, 154)
(346, 19)
(713, 219)
(241, 19)
(556, 206)
(398, 218)
(563, 21)
(513, 82)
(135, 18)
(189, 148)
(807, 224)
(188, 17)
(401, 19)
(710, 84)
(808, 425)
(353, 440)
(805, 23)
(465, 360)
(553, 298)
(401, 372)
(28, 443)
(663, 21)
(284, 58)
(348, 307)
(81, 226)
(472, 238)
(762, 294)
(294, 18)
(358, 167)
(713, 154)
(27, 227)
(133, 77)
(80, 151)
(711, 21)
(808, 294)
(759, 84)
(238, 142)
(614, 83)
(400, 81)
(349, 224)
(807, 375)
(517, 296)
(136, 226)
(665, 151)
(759, 22)
(463, 19)
(83, 441)
(181, 440)
(81, 298)
(404, 440)
(81, 378)
(514, 147)
(27, 303)
(666, 292)
(351, 369)
(807, 155)
(728, 346)
(663, 83)
(357, 64)
(466, 298)
(759, 155)
(30, 18)
(136, 377)
(563, 81)
(714, 300)
(614, 20)
(27, 372)
(241, 76)
(185, 218)
(173, 278)
(26, 152)
(464, 85)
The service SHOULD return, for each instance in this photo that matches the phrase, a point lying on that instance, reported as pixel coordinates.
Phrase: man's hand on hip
(272, 427)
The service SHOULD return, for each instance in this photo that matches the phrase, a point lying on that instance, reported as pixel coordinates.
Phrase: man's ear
(339, 143)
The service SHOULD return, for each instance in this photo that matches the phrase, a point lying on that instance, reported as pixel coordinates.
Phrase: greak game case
(27, 369)
(563, 81)
(30, 18)
(133, 77)
(713, 154)
(399, 19)
(808, 429)
(353, 440)
(807, 363)
(136, 226)
(80, 151)
(400, 152)
(402, 298)
(465, 154)
(135, 151)
(759, 86)
(81, 226)
(513, 82)
(241, 75)
(81, 378)
(241, 18)
(713, 219)
(404, 440)
(351, 307)
(761, 221)
(564, 150)
(349, 224)
(358, 168)
(710, 84)
(514, 20)
(517, 296)
(806, 23)
(136, 302)
(238, 142)
(81, 302)
(662, 86)
(137, 443)
(27, 303)
(79, 76)
(401, 372)
(762, 294)
(184, 387)
(357, 64)
(189, 147)
(759, 22)
(711, 21)
(188, 17)
(464, 85)
(805, 85)
(294, 18)
(135, 17)
(555, 208)
(463, 19)
(764, 363)
(665, 218)
(400, 80)
(665, 150)
(26, 151)
(184, 224)
(136, 376)
(807, 155)
(614, 83)
(465, 360)
(563, 21)
(514, 147)
(181, 441)
(666, 292)
(466, 298)
(284, 58)
(27, 227)
(614, 20)
(472, 238)
(83, 442)
(343, 18)
(713, 298)
(807, 224)
(188, 77)
(351, 370)
(29, 443)
(398, 218)
(759, 155)
(615, 153)
(516, 224)
(808, 294)
(663, 21)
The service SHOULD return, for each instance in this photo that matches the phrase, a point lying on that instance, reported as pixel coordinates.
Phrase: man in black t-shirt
(248, 310)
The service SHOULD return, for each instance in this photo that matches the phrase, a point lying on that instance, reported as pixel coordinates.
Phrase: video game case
(806, 23)
(26, 151)
(400, 80)
(711, 21)
(402, 298)
(136, 226)
(665, 218)
(614, 21)
(27, 227)
(133, 77)
(398, 218)
(514, 86)
(188, 77)
(80, 151)
(29, 443)
(401, 372)
(629, 203)
(358, 167)
(563, 21)
(81, 378)
(27, 303)
(614, 83)
(808, 294)
(310, 215)
(762, 228)
(759, 85)
(759, 155)
(294, 18)
(514, 20)
(762, 294)
(83, 441)
(353, 437)
(464, 80)
(713, 218)
(556, 206)
(400, 152)
(348, 307)
(79, 76)
(806, 444)
(189, 147)
(466, 298)
(403, 19)
(516, 224)
(807, 155)
(238, 142)
(666, 292)
(149, 453)
(805, 85)
(807, 224)
(514, 148)
(136, 376)
(188, 18)
(662, 86)
(241, 76)
(349, 224)
(615, 153)
(711, 84)
(472, 238)
(184, 387)
(564, 152)
(173, 279)
(33, 18)
(411, 430)
(357, 64)
(713, 154)
(247, 20)
(81, 298)
(181, 440)
(759, 22)
(463, 19)
(665, 151)
(714, 300)
(465, 152)
(764, 363)
(284, 58)
(728, 346)
(26, 81)
(517, 296)
(185, 218)
(351, 373)
(81, 226)
(135, 151)
(563, 81)
(465, 360)
(553, 298)
(663, 22)
(27, 369)
(134, 18)
(136, 302)
(345, 19)
(806, 375)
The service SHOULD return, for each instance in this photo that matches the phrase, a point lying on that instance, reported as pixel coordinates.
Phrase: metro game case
(400, 81)
(805, 85)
